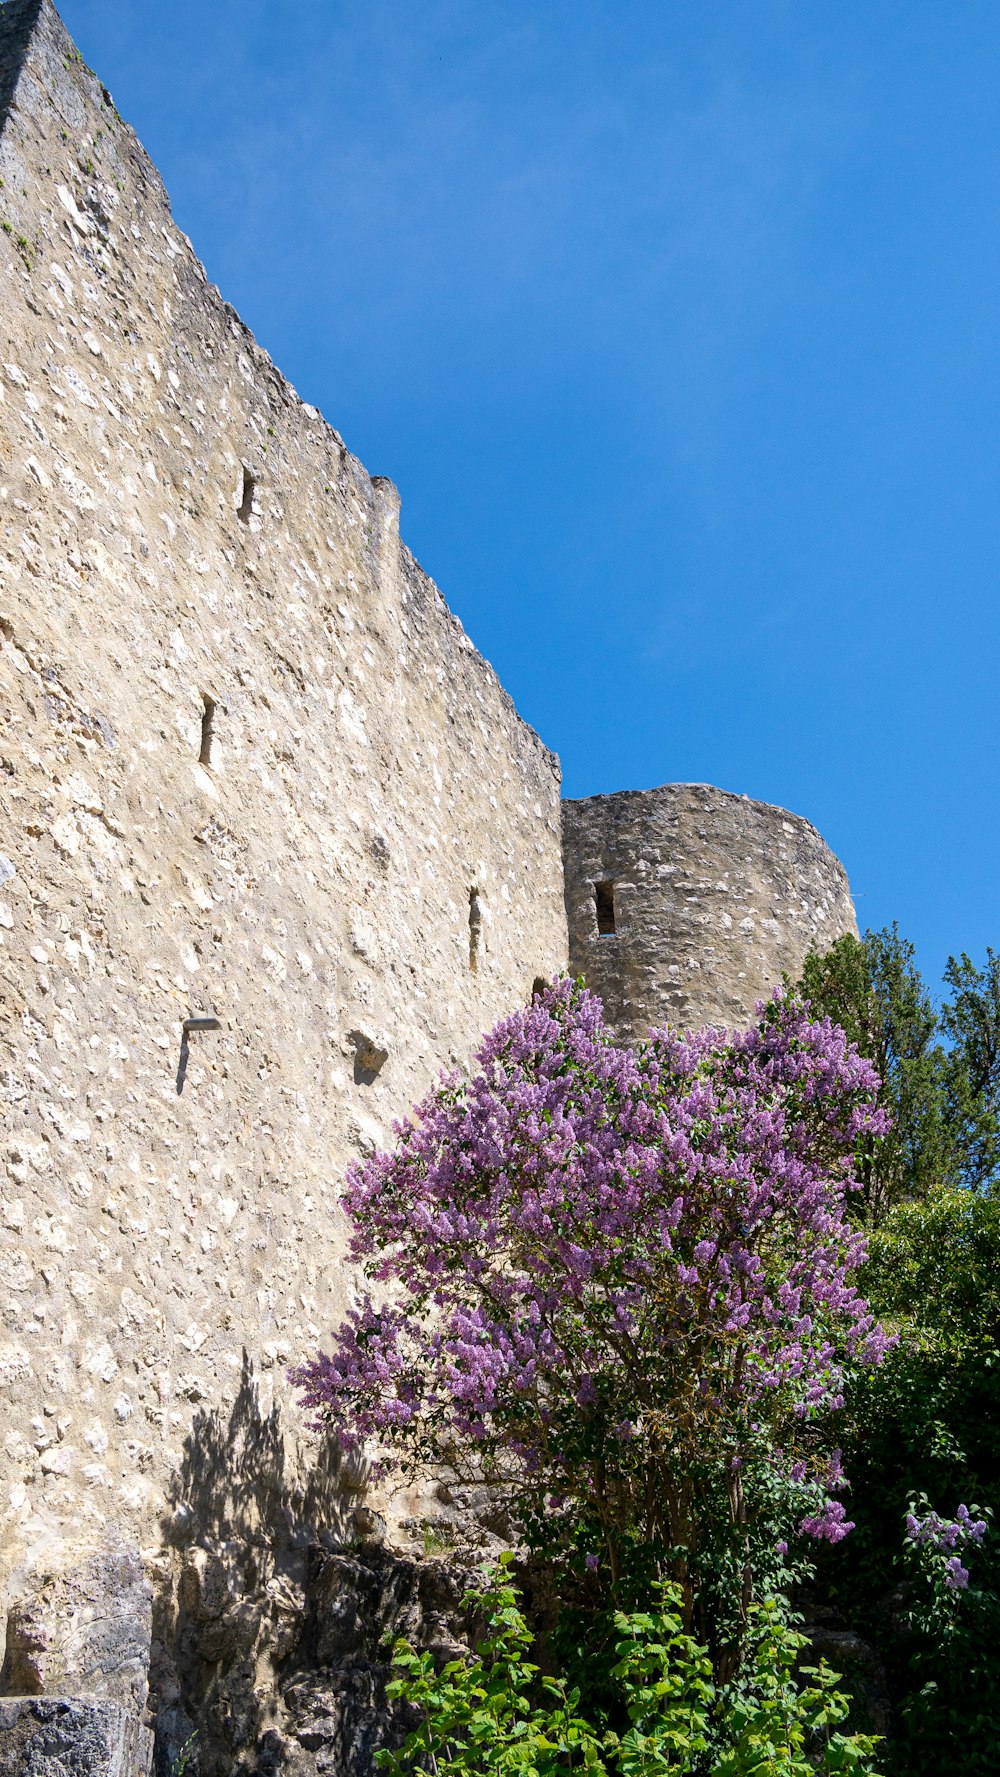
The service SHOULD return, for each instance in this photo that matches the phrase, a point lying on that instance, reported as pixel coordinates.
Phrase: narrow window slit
(207, 730)
(475, 928)
(248, 488)
(604, 902)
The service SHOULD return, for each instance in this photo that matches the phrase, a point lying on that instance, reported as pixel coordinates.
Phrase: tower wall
(712, 897)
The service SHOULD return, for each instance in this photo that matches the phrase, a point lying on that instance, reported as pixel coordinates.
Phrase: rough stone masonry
(686, 905)
(275, 847)
(259, 794)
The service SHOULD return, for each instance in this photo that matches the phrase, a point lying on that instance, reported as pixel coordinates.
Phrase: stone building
(686, 905)
(275, 847)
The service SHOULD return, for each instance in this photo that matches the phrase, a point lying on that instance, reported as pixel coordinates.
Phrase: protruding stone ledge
(72, 1737)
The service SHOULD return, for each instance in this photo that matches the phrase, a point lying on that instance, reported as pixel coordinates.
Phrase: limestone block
(204, 1585)
(359, 1602)
(82, 1629)
(71, 1737)
(357, 1605)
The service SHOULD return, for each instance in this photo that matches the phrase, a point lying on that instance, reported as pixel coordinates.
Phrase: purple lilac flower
(576, 1200)
(940, 1536)
(830, 1524)
(943, 1534)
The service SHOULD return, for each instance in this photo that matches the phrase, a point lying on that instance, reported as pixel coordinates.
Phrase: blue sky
(676, 324)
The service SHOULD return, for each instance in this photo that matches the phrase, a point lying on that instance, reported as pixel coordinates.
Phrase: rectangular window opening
(475, 928)
(248, 488)
(604, 902)
(207, 730)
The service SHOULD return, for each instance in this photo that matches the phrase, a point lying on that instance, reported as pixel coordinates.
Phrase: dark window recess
(248, 488)
(207, 731)
(475, 928)
(604, 902)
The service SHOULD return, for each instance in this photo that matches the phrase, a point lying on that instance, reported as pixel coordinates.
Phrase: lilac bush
(600, 1274)
(939, 1537)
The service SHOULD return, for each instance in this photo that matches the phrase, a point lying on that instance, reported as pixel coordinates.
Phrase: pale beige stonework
(253, 774)
(175, 526)
(714, 898)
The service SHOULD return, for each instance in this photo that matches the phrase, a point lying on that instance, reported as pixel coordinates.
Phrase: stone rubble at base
(72, 1737)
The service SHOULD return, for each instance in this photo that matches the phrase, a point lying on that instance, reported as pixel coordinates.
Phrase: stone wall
(275, 848)
(706, 899)
(252, 771)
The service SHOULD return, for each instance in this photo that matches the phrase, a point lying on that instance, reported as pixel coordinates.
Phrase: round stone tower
(687, 904)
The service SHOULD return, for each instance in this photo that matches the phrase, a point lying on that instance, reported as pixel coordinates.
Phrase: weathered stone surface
(71, 1737)
(250, 766)
(334, 1715)
(290, 1674)
(712, 897)
(276, 848)
(82, 1631)
(175, 1744)
(253, 1608)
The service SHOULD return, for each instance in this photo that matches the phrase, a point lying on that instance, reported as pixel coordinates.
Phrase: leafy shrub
(496, 1712)
(493, 1712)
(926, 1428)
(613, 1282)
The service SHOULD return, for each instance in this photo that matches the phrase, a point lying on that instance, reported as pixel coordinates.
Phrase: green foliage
(763, 1552)
(971, 1020)
(927, 1425)
(940, 1072)
(951, 1634)
(936, 1266)
(778, 1729)
(666, 1680)
(872, 988)
(496, 1712)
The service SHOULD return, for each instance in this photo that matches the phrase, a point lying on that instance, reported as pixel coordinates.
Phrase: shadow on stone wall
(240, 1479)
(242, 1507)
(16, 25)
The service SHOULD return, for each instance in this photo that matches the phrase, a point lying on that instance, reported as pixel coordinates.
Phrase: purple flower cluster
(650, 1243)
(941, 1536)
(830, 1524)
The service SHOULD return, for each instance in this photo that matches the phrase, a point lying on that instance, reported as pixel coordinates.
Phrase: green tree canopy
(872, 988)
(971, 1022)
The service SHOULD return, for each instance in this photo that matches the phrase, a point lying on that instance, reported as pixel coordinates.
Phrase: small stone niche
(604, 908)
(209, 707)
(475, 928)
(371, 1053)
(247, 492)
